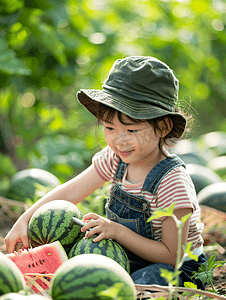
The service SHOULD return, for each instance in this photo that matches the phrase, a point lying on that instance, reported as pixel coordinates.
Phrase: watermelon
(193, 158)
(214, 196)
(16, 296)
(53, 222)
(44, 259)
(218, 165)
(202, 176)
(26, 183)
(187, 150)
(11, 278)
(104, 247)
(86, 276)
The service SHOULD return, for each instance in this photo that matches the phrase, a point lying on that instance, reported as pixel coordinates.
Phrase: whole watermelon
(218, 165)
(86, 276)
(53, 222)
(107, 248)
(16, 296)
(26, 183)
(11, 279)
(201, 176)
(214, 196)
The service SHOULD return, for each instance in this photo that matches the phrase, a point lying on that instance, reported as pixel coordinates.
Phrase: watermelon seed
(29, 266)
(40, 261)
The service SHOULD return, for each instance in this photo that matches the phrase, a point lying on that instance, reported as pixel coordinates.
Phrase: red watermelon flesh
(44, 259)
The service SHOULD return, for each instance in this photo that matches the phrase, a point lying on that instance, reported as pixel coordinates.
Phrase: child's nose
(122, 139)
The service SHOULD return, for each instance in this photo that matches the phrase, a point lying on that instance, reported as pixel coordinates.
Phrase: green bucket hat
(141, 87)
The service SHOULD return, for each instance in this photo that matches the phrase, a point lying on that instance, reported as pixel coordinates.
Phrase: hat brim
(135, 109)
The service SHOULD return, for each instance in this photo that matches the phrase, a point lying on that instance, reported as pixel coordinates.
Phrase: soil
(214, 241)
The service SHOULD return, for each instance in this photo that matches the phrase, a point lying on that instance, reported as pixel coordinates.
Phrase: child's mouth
(125, 153)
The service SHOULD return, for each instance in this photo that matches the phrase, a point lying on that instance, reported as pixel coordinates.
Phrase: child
(137, 109)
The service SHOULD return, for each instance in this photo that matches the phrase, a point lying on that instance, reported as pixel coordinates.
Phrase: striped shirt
(176, 186)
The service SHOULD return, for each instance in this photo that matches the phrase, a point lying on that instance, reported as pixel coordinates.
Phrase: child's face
(135, 143)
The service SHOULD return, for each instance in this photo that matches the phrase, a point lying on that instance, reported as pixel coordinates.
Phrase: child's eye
(109, 128)
(132, 131)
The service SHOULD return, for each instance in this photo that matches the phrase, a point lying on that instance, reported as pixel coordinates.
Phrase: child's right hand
(18, 234)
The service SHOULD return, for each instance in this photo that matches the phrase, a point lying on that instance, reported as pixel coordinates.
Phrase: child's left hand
(106, 228)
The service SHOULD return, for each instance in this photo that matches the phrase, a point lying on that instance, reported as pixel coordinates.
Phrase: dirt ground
(214, 237)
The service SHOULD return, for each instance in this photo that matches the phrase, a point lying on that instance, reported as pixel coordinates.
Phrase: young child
(137, 109)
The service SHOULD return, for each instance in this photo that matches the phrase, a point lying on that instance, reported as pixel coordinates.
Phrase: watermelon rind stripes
(85, 276)
(11, 279)
(104, 247)
(53, 222)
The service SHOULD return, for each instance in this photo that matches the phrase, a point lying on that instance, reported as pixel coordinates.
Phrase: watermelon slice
(44, 259)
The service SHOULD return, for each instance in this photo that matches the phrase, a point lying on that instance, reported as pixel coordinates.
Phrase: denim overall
(133, 212)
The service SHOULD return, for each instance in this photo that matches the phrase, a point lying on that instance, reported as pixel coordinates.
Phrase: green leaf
(184, 218)
(169, 276)
(47, 36)
(6, 56)
(162, 212)
(190, 285)
(6, 166)
(205, 271)
(9, 63)
(188, 252)
(10, 7)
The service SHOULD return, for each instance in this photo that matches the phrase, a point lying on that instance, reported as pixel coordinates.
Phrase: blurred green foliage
(49, 49)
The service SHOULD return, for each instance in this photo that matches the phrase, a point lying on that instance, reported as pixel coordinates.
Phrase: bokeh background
(49, 49)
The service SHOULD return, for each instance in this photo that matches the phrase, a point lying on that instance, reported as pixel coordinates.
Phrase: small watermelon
(11, 278)
(214, 196)
(25, 184)
(107, 248)
(44, 259)
(16, 296)
(53, 222)
(201, 176)
(87, 276)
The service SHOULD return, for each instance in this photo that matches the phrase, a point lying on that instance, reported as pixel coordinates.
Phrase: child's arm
(150, 250)
(75, 190)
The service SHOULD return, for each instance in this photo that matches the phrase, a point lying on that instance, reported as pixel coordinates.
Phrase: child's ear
(165, 126)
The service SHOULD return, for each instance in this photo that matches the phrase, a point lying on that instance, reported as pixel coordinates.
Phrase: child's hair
(107, 113)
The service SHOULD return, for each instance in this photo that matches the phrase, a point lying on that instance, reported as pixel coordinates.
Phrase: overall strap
(120, 170)
(159, 171)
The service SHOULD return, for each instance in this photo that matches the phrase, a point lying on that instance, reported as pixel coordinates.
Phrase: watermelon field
(210, 185)
(50, 49)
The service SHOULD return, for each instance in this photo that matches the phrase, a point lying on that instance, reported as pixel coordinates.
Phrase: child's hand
(106, 228)
(18, 234)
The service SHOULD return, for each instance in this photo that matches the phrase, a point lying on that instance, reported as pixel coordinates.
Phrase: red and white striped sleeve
(106, 162)
(177, 187)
